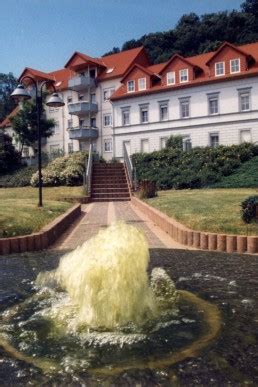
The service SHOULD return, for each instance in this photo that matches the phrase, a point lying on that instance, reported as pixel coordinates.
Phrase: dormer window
(235, 66)
(141, 84)
(171, 78)
(130, 86)
(183, 75)
(219, 69)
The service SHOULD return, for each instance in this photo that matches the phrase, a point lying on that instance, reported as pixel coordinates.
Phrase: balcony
(81, 82)
(82, 108)
(83, 133)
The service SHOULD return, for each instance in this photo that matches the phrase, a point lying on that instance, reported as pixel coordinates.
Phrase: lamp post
(20, 94)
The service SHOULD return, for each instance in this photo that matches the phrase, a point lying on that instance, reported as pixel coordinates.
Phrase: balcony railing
(81, 82)
(82, 108)
(83, 133)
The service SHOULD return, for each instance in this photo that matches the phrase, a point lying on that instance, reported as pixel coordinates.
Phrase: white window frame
(161, 106)
(144, 140)
(57, 127)
(129, 89)
(232, 64)
(69, 123)
(143, 86)
(213, 134)
(161, 141)
(107, 115)
(184, 73)
(143, 109)
(187, 140)
(107, 93)
(217, 74)
(124, 111)
(213, 97)
(241, 95)
(171, 78)
(70, 147)
(108, 141)
(240, 135)
(184, 101)
(69, 99)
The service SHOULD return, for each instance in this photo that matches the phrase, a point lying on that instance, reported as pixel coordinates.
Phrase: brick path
(99, 215)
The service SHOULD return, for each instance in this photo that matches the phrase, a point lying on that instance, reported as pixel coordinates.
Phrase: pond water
(227, 282)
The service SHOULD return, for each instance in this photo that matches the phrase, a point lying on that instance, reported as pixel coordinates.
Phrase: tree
(7, 84)
(9, 157)
(250, 6)
(24, 123)
(115, 50)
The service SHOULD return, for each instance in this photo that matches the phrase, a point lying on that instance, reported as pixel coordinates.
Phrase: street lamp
(20, 94)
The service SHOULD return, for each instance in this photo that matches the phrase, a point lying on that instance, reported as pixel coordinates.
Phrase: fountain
(99, 313)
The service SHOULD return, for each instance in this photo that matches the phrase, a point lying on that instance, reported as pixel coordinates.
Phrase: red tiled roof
(86, 58)
(35, 74)
(144, 69)
(6, 122)
(61, 78)
(225, 44)
(204, 77)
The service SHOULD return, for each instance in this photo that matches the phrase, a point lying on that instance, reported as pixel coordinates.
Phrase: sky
(43, 34)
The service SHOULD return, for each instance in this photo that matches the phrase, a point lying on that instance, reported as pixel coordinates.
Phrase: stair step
(111, 199)
(109, 185)
(110, 195)
(108, 190)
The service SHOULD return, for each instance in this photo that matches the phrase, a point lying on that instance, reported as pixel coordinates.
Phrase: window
(245, 136)
(184, 107)
(183, 75)
(126, 117)
(69, 99)
(163, 141)
(187, 144)
(214, 140)
(83, 146)
(213, 103)
(130, 86)
(145, 145)
(235, 66)
(141, 84)
(93, 122)
(219, 69)
(54, 149)
(69, 123)
(107, 93)
(171, 78)
(107, 119)
(244, 101)
(108, 145)
(56, 128)
(70, 147)
(163, 111)
(80, 97)
(144, 113)
(51, 109)
(93, 98)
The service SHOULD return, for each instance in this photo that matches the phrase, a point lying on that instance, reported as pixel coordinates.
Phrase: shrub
(67, 170)
(249, 209)
(10, 159)
(19, 178)
(174, 168)
(147, 189)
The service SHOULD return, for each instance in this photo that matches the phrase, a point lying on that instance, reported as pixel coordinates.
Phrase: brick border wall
(198, 239)
(42, 239)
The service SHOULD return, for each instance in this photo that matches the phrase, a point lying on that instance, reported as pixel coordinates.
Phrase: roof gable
(232, 47)
(36, 74)
(180, 58)
(143, 69)
(79, 59)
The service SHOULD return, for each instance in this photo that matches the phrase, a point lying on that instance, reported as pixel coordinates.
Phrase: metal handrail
(128, 166)
(89, 171)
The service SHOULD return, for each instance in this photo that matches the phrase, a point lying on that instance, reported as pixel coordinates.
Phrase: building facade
(121, 100)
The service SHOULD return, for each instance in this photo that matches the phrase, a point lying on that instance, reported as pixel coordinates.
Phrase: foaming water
(106, 280)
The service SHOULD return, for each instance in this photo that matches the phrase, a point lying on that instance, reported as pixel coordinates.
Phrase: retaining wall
(198, 239)
(42, 239)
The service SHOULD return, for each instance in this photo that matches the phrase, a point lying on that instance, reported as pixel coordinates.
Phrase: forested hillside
(195, 34)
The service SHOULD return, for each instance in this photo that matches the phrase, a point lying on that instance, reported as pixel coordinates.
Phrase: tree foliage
(24, 123)
(195, 34)
(7, 84)
(9, 157)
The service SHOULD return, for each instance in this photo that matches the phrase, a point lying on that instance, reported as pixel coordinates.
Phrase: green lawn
(214, 210)
(19, 213)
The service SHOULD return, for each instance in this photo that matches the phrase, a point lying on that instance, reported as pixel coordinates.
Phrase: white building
(210, 99)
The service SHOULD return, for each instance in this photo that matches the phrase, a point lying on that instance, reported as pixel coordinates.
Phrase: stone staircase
(109, 183)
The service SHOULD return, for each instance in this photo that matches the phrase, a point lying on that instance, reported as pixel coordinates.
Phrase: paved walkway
(100, 215)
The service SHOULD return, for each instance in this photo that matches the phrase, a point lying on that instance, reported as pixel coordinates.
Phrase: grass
(245, 176)
(214, 210)
(20, 215)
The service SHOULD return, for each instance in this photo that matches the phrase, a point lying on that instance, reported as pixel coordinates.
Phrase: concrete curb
(42, 239)
(198, 239)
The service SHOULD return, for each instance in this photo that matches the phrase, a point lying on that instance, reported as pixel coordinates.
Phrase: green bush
(199, 167)
(19, 178)
(67, 170)
(249, 209)
(10, 158)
